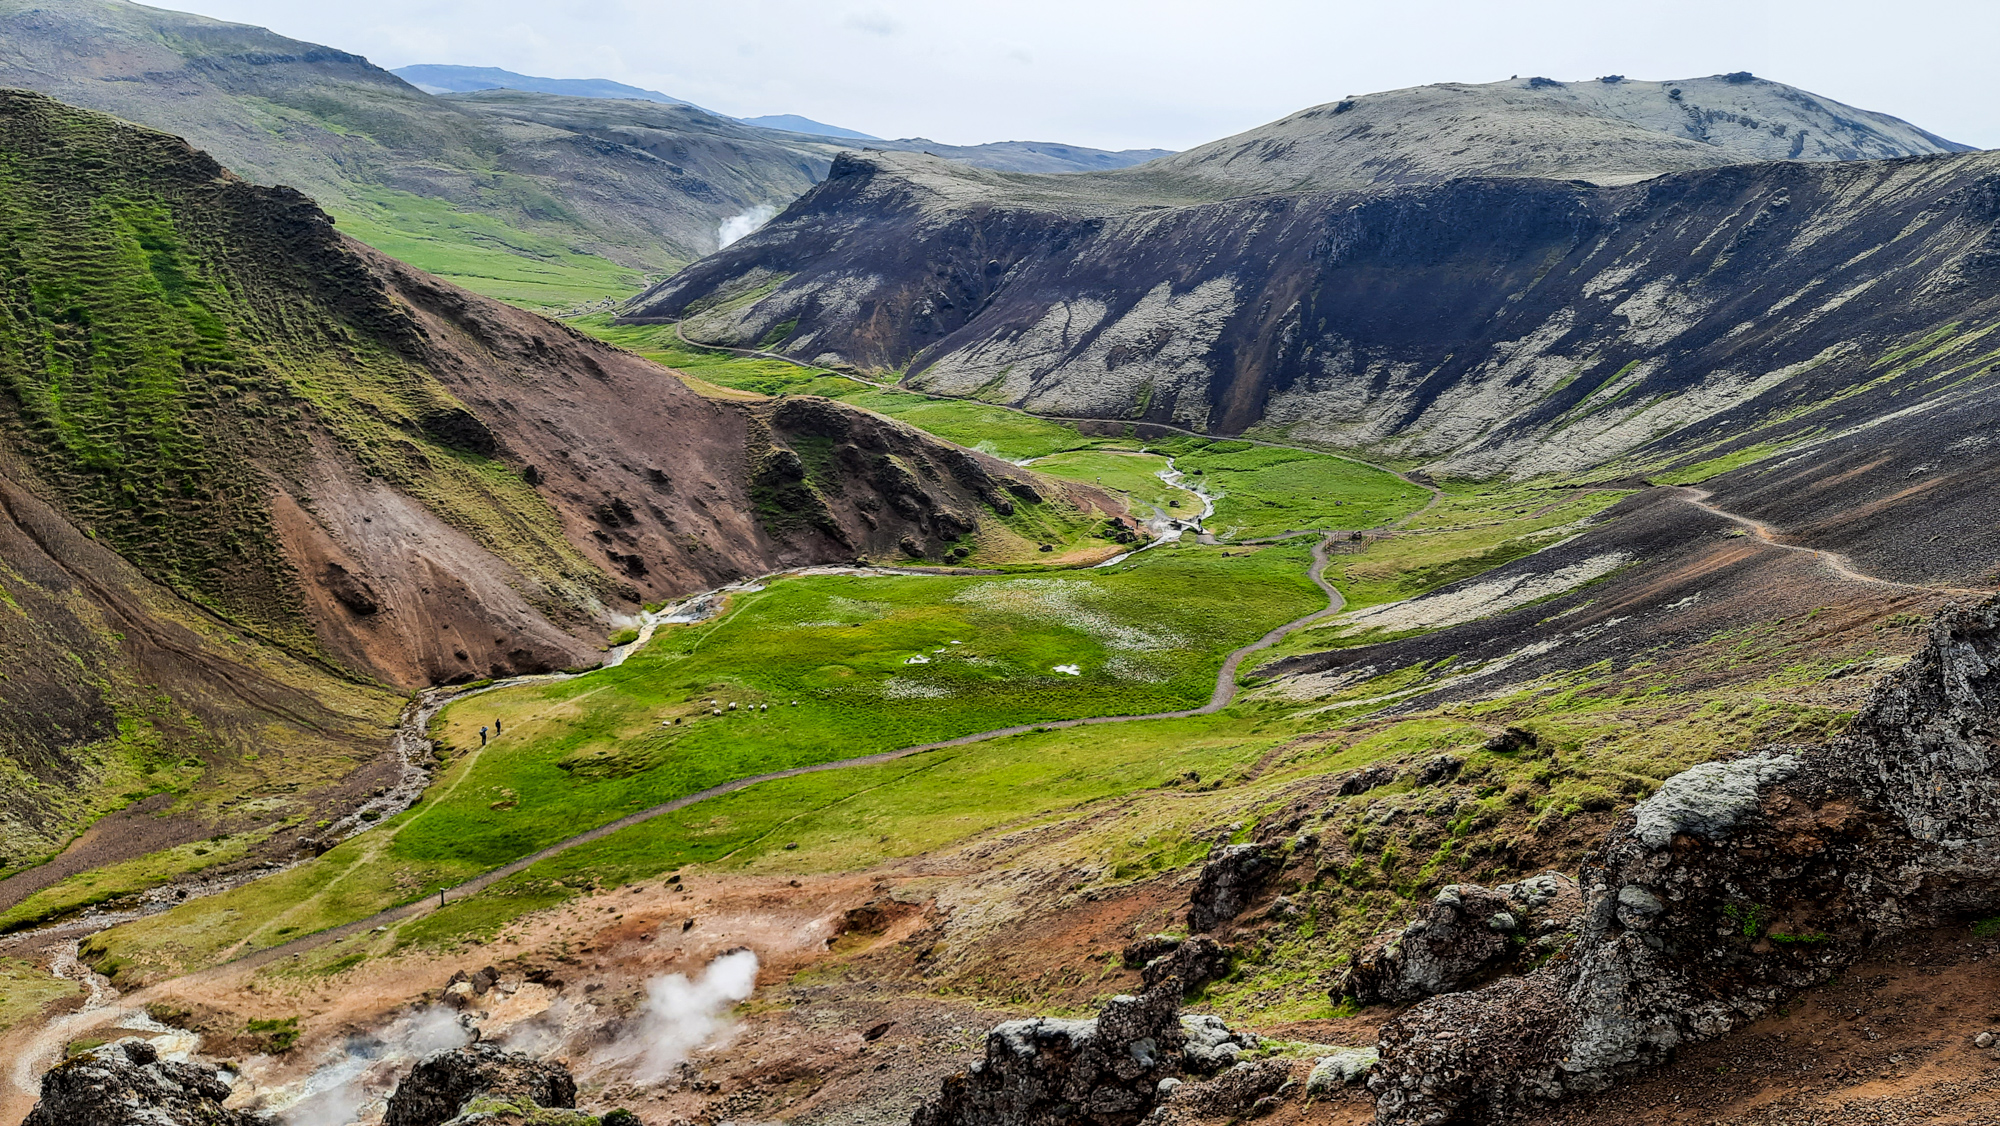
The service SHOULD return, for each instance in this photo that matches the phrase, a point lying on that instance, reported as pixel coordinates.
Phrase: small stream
(1168, 529)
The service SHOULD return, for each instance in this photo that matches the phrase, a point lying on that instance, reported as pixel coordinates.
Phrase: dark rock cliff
(442, 1085)
(1469, 322)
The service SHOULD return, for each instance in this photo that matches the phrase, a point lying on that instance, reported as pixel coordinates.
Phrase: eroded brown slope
(343, 475)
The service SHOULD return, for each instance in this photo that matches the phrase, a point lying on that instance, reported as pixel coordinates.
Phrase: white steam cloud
(366, 1068)
(681, 1015)
(736, 226)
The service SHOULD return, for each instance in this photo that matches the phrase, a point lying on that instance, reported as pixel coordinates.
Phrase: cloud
(876, 22)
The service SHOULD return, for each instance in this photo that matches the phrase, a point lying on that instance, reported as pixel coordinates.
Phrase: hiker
(496, 728)
(482, 736)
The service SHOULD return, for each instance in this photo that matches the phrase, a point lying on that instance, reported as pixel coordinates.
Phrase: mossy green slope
(172, 338)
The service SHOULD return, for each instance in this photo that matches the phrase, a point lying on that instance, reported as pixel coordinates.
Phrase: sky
(1171, 74)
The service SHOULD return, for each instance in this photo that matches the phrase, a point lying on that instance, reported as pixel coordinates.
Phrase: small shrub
(279, 1035)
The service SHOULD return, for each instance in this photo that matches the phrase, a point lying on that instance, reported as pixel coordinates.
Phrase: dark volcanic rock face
(1736, 883)
(127, 1084)
(1230, 879)
(440, 1086)
(1467, 933)
(1468, 322)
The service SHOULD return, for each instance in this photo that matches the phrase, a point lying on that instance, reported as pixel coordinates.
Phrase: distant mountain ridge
(443, 78)
(535, 198)
(1608, 130)
(793, 123)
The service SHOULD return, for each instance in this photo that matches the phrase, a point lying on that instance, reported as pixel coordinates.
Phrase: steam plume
(681, 1015)
(736, 226)
(365, 1067)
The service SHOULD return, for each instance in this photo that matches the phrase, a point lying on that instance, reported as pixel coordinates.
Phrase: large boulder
(1211, 1046)
(1735, 884)
(1463, 936)
(128, 1084)
(1189, 965)
(1230, 878)
(446, 1084)
(1104, 1071)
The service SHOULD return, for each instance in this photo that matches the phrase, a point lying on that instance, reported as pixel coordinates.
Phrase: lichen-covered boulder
(1341, 1069)
(1104, 1071)
(128, 1084)
(444, 1084)
(1211, 1046)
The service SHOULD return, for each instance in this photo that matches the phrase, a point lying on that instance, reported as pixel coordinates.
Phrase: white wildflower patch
(1481, 600)
(901, 689)
(1071, 603)
(1069, 670)
(1129, 668)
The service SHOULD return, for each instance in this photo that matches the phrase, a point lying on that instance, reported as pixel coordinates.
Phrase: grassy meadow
(870, 661)
(484, 253)
(1134, 475)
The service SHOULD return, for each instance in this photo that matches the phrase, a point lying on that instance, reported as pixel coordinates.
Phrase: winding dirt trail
(1836, 562)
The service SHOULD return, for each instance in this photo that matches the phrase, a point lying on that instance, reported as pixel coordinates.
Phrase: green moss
(26, 988)
(277, 1034)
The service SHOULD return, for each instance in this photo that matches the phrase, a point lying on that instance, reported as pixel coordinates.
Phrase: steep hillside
(410, 173)
(249, 466)
(527, 482)
(1482, 326)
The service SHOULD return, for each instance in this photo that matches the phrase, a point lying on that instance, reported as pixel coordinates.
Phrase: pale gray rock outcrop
(1708, 800)
(1752, 879)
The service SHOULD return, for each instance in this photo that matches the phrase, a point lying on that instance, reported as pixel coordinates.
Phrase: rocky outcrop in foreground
(1734, 885)
(1114, 1069)
(483, 1078)
(1465, 934)
(1106, 1071)
(128, 1084)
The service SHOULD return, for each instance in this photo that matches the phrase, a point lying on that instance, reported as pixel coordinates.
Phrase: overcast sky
(1162, 73)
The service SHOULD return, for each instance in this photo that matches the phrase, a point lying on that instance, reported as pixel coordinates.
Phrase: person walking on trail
(496, 728)
(482, 736)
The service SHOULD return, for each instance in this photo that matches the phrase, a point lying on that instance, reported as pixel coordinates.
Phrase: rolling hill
(546, 215)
